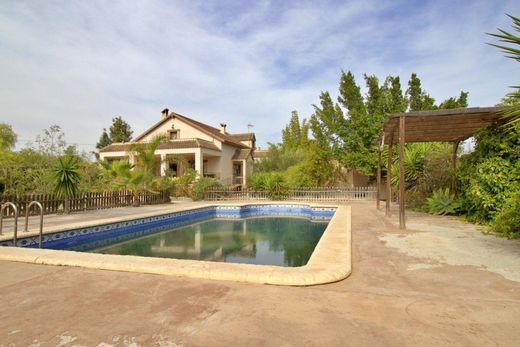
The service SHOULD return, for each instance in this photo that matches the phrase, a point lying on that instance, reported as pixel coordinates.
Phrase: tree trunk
(66, 205)
(136, 202)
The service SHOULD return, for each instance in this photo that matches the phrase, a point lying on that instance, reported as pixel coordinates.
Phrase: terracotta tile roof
(228, 138)
(241, 154)
(261, 153)
(176, 144)
(243, 136)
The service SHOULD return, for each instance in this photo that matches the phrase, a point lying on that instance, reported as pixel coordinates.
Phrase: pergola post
(454, 163)
(402, 222)
(389, 174)
(378, 196)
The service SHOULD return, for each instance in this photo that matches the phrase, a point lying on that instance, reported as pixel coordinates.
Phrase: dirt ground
(442, 282)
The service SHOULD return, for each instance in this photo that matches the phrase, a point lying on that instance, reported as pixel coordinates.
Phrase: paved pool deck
(441, 282)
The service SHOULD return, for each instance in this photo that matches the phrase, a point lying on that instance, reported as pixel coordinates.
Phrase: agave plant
(442, 202)
(65, 176)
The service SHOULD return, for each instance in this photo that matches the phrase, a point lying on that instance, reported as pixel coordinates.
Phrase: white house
(212, 152)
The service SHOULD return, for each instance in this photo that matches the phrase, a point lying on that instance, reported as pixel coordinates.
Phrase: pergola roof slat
(442, 125)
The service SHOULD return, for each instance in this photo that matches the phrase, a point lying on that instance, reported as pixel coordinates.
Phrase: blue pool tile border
(97, 236)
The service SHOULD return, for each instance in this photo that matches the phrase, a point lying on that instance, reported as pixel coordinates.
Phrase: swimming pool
(330, 261)
(280, 241)
(97, 236)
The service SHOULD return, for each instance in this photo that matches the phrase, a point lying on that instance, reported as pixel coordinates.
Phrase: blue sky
(79, 63)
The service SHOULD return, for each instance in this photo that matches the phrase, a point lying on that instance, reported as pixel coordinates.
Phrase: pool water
(281, 241)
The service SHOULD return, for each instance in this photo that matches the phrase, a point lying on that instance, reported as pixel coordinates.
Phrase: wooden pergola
(453, 125)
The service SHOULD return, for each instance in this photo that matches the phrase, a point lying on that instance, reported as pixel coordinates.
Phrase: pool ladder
(15, 209)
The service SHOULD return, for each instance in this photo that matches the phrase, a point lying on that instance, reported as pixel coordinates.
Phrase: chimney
(222, 128)
(164, 113)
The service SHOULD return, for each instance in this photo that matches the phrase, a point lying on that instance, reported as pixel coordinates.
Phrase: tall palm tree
(145, 153)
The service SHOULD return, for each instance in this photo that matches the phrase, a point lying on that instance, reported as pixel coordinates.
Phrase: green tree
(350, 95)
(513, 52)
(346, 132)
(120, 130)
(52, 142)
(394, 99)
(461, 101)
(104, 140)
(328, 126)
(8, 137)
(66, 177)
(418, 99)
(295, 135)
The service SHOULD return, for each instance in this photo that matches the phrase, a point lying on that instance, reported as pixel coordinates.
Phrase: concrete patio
(442, 282)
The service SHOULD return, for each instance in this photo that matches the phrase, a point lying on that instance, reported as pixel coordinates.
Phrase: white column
(164, 165)
(197, 240)
(131, 159)
(199, 162)
(244, 172)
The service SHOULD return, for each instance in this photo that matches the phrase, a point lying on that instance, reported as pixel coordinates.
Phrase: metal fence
(298, 194)
(84, 201)
(333, 193)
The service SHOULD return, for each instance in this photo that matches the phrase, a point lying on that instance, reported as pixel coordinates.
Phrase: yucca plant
(66, 176)
(414, 161)
(442, 202)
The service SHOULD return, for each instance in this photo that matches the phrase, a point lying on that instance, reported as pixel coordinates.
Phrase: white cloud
(78, 64)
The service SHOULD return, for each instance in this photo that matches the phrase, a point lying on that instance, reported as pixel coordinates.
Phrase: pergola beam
(402, 222)
(378, 196)
(389, 175)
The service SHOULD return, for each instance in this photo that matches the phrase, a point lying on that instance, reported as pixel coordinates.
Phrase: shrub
(428, 167)
(184, 182)
(279, 160)
(490, 175)
(276, 186)
(442, 202)
(257, 180)
(298, 176)
(164, 183)
(200, 186)
(507, 221)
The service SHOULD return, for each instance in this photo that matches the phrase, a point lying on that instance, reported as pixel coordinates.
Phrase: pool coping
(330, 261)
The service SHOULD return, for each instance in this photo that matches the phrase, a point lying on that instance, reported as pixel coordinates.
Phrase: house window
(174, 169)
(237, 169)
(174, 134)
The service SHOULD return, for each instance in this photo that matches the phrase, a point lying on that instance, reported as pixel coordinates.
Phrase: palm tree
(123, 175)
(66, 176)
(513, 99)
(145, 154)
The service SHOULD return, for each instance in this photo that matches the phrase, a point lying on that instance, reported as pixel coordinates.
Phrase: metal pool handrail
(15, 209)
(37, 203)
